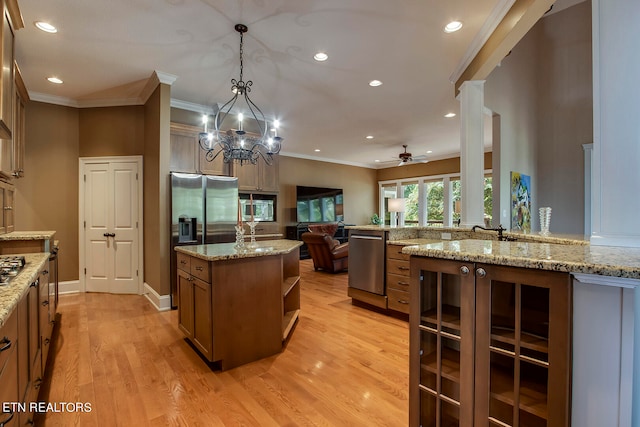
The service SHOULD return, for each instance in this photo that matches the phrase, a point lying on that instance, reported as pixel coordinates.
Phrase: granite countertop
(11, 294)
(225, 251)
(602, 260)
(28, 235)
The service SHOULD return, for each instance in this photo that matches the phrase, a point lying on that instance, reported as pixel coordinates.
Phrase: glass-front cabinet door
(522, 347)
(442, 343)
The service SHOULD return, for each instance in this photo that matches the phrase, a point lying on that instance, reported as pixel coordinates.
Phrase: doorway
(111, 224)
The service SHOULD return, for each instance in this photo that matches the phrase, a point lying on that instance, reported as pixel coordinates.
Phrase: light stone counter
(601, 260)
(396, 234)
(28, 235)
(12, 293)
(224, 251)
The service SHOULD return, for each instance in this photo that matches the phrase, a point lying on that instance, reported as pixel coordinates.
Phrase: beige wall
(111, 131)
(543, 94)
(359, 186)
(156, 192)
(436, 167)
(47, 197)
(56, 137)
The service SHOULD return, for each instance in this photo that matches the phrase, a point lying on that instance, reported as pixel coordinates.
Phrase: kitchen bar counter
(226, 251)
(586, 259)
(12, 293)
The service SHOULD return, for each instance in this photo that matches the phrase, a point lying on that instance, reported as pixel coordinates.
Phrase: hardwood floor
(344, 365)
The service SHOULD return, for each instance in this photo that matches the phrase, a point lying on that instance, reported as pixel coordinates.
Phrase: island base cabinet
(246, 312)
(490, 345)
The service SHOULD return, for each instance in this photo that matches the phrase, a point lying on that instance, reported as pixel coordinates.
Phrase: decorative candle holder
(239, 237)
(252, 229)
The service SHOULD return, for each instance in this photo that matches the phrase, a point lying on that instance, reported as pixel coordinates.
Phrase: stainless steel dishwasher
(366, 260)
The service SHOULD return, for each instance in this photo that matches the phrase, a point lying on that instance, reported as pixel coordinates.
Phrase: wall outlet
(446, 236)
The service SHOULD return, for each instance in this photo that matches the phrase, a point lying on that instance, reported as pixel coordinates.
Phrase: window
(432, 201)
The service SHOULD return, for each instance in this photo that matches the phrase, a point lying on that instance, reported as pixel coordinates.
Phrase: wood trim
(14, 14)
(21, 88)
(522, 16)
(373, 299)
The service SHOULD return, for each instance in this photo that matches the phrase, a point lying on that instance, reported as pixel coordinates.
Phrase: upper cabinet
(21, 97)
(11, 22)
(259, 177)
(187, 156)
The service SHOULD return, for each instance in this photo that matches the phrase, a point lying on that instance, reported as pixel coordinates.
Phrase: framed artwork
(520, 202)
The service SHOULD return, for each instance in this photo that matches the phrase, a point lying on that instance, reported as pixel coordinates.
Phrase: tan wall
(156, 196)
(111, 131)
(359, 186)
(436, 167)
(47, 197)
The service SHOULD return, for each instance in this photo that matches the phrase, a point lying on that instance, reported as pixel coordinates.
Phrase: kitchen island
(524, 330)
(238, 305)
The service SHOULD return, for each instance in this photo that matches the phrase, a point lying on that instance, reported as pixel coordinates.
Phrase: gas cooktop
(10, 266)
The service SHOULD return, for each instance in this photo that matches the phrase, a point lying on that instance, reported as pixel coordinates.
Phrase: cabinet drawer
(8, 338)
(395, 252)
(396, 266)
(200, 269)
(398, 300)
(183, 262)
(395, 281)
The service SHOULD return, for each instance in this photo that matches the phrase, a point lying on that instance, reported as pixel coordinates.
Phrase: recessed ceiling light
(429, 151)
(46, 27)
(369, 136)
(55, 80)
(449, 115)
(320, 56)
(377, 161)
(317, 150)
(374, 83)
(452, 26)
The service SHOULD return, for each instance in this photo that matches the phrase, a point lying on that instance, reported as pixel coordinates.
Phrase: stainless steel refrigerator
(204, 209)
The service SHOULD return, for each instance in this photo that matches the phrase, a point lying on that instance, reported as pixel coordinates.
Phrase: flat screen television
(316, 204)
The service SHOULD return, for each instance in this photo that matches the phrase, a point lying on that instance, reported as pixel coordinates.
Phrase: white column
(472, 153)
(616, 128)
(447, 192)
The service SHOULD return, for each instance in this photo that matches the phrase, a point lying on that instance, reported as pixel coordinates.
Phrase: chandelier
(237, 144)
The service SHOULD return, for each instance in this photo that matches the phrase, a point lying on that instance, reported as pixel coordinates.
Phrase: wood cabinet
(187, 156)
(259, 177)
(7, 192)
(489, 346)
(9, 368)
(21, 97)
(398, 276)
(195, 302)
(235, 311)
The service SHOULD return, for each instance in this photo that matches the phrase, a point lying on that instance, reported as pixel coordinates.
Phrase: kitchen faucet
(499, 229)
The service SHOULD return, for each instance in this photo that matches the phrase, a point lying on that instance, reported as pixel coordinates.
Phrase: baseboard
(161, 302)
(69, 287)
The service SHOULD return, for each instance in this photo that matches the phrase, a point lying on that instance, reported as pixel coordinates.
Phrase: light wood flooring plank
(343, 365)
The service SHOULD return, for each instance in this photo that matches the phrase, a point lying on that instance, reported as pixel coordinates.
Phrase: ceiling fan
(406, 157)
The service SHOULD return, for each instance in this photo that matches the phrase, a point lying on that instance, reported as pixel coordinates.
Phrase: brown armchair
(327, 254)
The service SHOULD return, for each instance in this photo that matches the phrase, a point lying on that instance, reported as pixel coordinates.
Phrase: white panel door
(111, 227)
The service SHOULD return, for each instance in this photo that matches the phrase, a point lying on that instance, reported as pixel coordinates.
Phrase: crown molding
(156, 78)
(323, 159)
(192, 106)
(489, 26)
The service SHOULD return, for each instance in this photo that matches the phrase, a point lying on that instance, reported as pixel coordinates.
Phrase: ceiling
(105, 51)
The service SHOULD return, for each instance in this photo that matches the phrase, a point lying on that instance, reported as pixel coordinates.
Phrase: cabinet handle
(401, 301)
(464, 270)
(481, 273)
(8, 208)
(45, 272)
(402, 283)
(6, 344)
(403, 268)
(37, 383)
(5, 422)
(45, 303)
(183, 262)
(47, 341)
(199, 268)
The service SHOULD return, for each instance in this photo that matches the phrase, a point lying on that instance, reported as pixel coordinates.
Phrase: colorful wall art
(520, 202)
